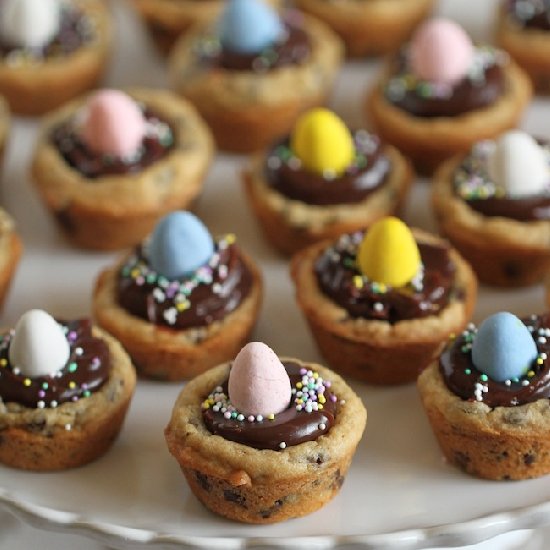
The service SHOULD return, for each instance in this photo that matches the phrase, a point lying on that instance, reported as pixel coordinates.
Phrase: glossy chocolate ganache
(367, 173)
(472, 183)
(76, 29)
(85, 372)
(482, 86)
(531, 14)
(310, 414)
(208, 294)
(293, 48)
(157, 143)
(340, 279)
(464, 380)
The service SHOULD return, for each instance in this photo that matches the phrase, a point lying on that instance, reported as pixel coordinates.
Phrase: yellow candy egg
(388, 253)
(322, 142)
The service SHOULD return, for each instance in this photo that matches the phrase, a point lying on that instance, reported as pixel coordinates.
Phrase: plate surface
(399, 492)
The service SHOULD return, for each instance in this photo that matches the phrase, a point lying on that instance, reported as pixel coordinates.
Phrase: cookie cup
(248, 111)
(502, 251)
(164, 353)
(530, 48)
(430, 141)
(74, 433)
(118, 211)
(5, 123)
(290, 225)
(166, 20)
(34, 88)
(11, 249)
(262, 486)
(492, 443)
(370, 27)
(373, 351)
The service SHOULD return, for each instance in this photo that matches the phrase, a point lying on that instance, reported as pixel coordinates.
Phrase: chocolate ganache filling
(76, 29)
(368, 171)
(430, 291)
(482, 86)
(209, 294)
(463, 379)
(298, 423)
(531, 14)
(293, 48)
(157, 143)
(86, 371)
(473, 184)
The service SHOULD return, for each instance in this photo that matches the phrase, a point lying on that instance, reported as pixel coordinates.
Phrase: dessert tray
(399, 493)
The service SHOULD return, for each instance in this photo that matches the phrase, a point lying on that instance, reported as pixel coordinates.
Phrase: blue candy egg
(503, 348)
(249, 26)
(179, 245)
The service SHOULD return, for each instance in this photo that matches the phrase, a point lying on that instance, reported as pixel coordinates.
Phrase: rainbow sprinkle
(177, 291)
(366, 144)
(308, 396)
(480, 387)
(309, 392)
(345, 250)
(471, 178)
(406, 82)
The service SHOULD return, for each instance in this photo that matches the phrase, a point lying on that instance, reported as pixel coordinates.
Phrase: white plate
(399, 493)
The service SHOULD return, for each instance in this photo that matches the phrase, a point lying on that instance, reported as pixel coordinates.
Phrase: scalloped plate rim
(471, 531)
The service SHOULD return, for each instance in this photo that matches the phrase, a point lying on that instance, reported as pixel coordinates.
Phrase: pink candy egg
(258, 381)
(441, 52)
(113, 124)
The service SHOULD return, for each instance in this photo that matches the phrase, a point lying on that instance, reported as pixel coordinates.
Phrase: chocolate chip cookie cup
(182, 301)
(167, 20)
(110, 165)
(64, 392)
(493, 205)
(251, 94)
(383, 326)
(441, 94)
(65, 56)
(239, 466)
(489, 408)
(324, 180)
(11, 249)
(523, 30)
(5, 123)
(370, 28)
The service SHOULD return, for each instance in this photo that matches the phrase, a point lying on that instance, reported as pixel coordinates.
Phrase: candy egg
(29, 23)
(322, 142)
(249, 26)
(180, 243)
(258, 381)
(113, 124)
(503, 348)
(39, 346)
(519, 165)
(441, 52)
(388, 253)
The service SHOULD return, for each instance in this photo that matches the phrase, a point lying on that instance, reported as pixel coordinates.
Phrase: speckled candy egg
(503, 348)
(249, 26)
(39, 346)
(180, 243)
(29, 23)
(258, 381)
(388, 253)
(518, 165)
(322, 142)
(441, 52)
(113, 124)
